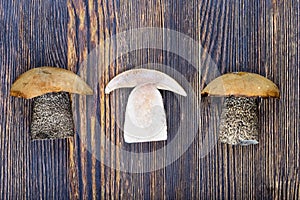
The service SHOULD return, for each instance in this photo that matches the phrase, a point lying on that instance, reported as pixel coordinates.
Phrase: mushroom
(239, 120)
(48, 86)
(145, 118)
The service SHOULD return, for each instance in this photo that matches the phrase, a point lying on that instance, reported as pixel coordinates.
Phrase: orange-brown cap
(241, 84)
(42, 80)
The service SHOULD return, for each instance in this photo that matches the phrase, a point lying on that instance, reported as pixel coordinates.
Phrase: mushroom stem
(239, 121)
(52, 117)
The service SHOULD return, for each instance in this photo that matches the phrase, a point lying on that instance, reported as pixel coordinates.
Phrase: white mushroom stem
(239, 121)
(145, 118)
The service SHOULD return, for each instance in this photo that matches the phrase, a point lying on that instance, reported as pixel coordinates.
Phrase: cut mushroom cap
(241, 84)
(42, 80)
(134, 77)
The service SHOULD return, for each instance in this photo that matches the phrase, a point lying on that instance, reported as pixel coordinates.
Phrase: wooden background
(255, 36)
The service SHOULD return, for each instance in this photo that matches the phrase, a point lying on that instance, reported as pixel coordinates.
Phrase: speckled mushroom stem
(52, 117)
(239, 121)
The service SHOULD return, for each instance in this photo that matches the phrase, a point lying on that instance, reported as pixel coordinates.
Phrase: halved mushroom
(145, 118)
(239, 121)
(51, 116)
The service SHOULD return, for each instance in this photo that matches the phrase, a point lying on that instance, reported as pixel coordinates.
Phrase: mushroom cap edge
(241, 84)
(41, 80)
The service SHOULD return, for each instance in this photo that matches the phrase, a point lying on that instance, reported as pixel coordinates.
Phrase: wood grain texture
(33, 34)
(258, 36)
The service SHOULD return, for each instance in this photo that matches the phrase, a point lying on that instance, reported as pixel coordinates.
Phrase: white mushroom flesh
(145, 118)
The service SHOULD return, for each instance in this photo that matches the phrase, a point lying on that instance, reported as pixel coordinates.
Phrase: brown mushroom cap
(241, 84)
(42, 80)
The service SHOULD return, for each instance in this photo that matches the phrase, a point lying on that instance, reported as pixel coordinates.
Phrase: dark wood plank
(260, 37)
(257, 36)
(102, 20)
(33, 34)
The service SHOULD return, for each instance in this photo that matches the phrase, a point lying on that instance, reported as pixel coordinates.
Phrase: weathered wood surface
(261, 37)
